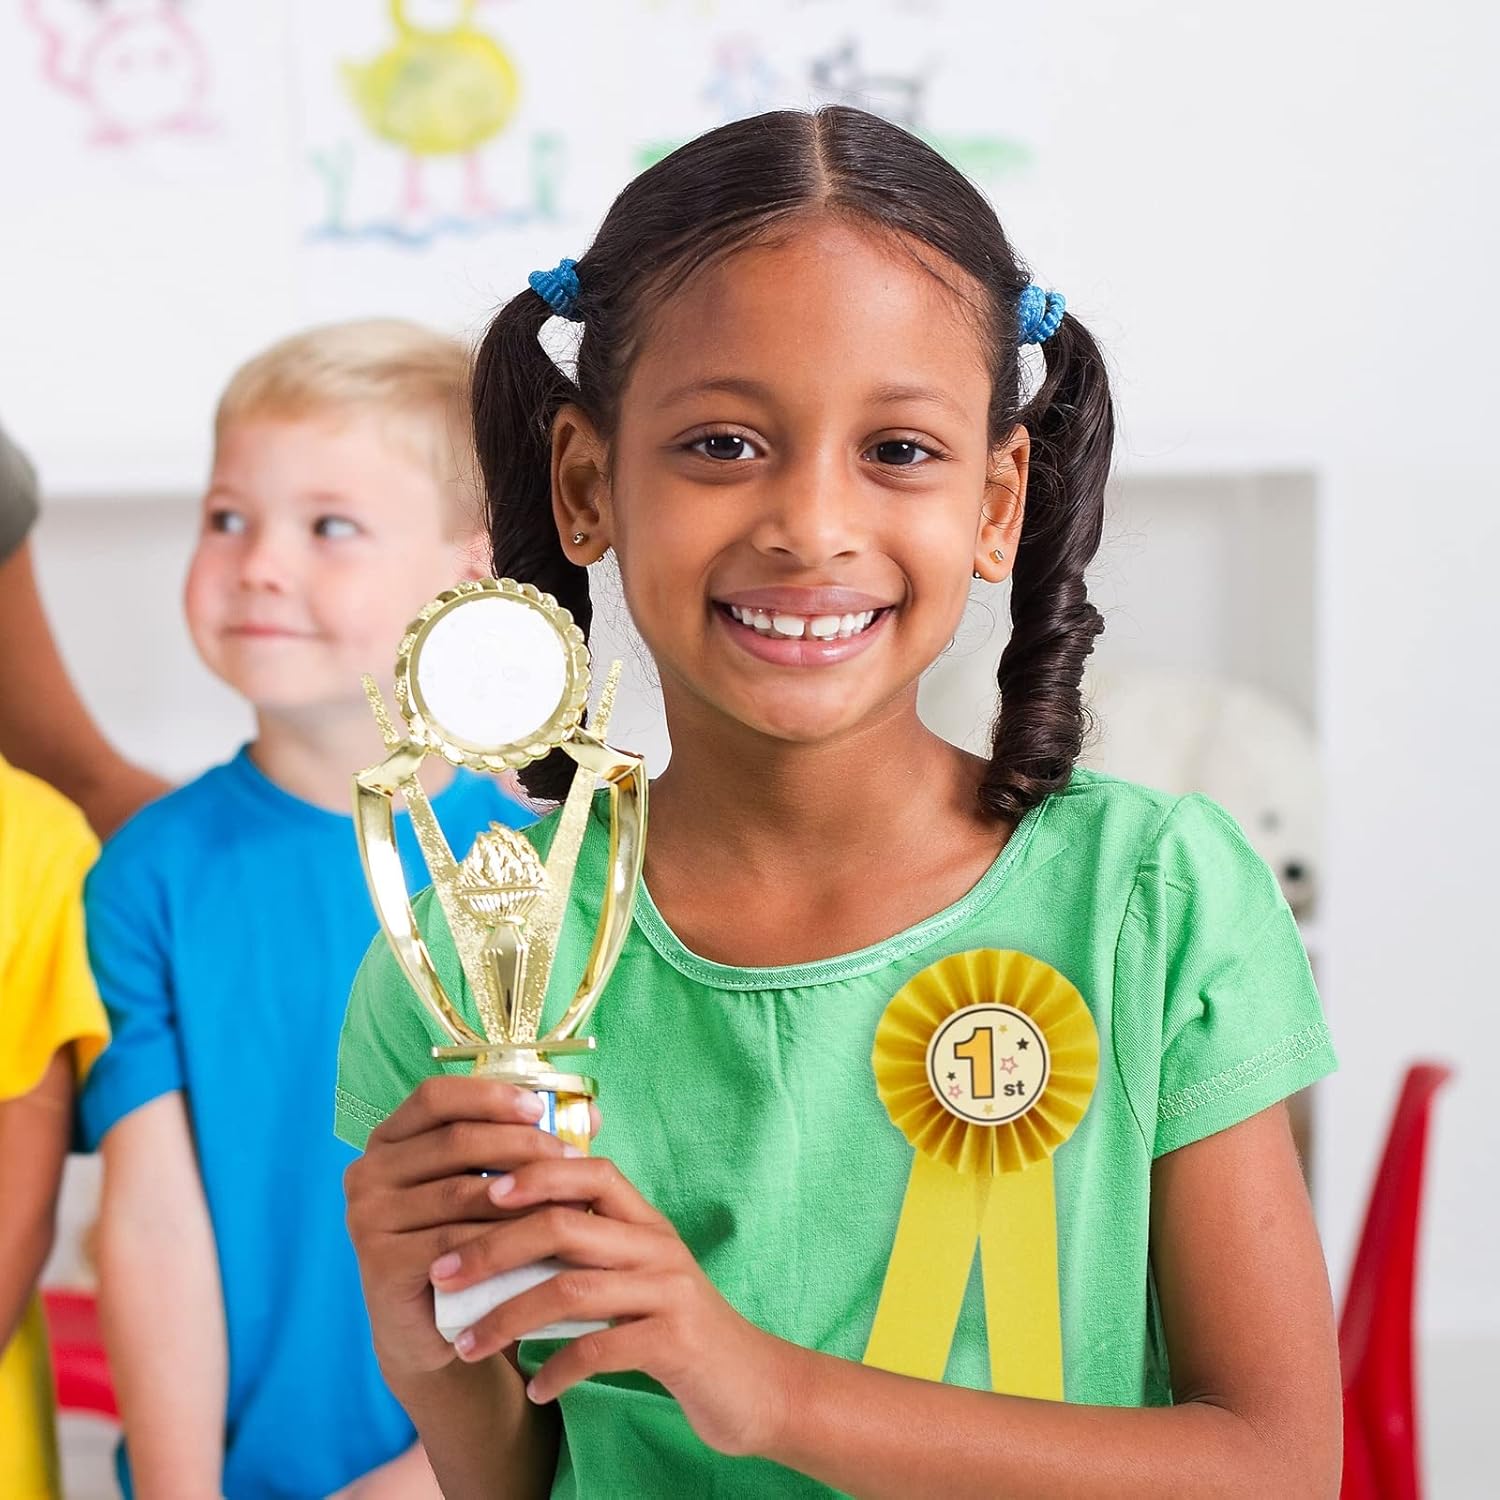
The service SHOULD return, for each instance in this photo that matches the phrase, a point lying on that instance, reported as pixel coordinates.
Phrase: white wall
(1281, 221)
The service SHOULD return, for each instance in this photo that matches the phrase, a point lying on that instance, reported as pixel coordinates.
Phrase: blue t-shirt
(226, 922)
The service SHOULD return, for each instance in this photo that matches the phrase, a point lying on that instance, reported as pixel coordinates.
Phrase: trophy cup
(493, 675)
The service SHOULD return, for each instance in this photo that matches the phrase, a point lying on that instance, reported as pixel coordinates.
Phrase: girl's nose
(811, 513)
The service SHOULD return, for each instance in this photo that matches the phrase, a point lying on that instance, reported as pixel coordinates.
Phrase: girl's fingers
(593, 1182)
(406, 1259)
(581, 1294)
(570, 1234)
(469, 1146)
(463, 1198)
(451, 1097)
(630, 1346)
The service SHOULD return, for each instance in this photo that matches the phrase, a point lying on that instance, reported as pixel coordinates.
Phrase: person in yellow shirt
(52, 1027)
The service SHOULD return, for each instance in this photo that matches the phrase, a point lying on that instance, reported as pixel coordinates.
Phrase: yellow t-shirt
(47, 1001)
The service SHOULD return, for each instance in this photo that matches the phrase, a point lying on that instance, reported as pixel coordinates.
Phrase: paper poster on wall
(135, 70)
(477, 139)
(914, 61)
(422, 121)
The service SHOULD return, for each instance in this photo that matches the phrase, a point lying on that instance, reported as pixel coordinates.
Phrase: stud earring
(998, 555)
(977, 575)
(579, 538)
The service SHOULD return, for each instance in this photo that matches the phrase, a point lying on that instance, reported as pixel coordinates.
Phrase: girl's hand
(416, 1195)
(633, 1269)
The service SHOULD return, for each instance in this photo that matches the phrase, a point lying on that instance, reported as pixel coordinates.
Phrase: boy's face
(321, 539)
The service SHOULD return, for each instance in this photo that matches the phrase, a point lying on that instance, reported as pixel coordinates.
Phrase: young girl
(799, 424)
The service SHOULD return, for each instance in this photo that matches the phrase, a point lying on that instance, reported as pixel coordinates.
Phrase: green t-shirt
(741, 1102)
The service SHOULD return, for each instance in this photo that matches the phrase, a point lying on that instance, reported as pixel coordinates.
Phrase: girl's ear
(1003, 509)
(580, 487)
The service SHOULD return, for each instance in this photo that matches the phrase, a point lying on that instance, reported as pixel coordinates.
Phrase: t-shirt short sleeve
(18, 496)
(129, 949)
(1225, 1018)
(47, 996)
(385, 1046)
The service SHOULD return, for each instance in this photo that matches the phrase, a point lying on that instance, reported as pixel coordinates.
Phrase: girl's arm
(160, 1301)
(1250, 1335)
(34, 1130)
(1244, 1299)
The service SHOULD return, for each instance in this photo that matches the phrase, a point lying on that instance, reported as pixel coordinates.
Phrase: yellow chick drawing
(437, 91)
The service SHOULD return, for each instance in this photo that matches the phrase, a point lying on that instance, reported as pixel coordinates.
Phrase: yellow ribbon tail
(1014, 1219)
(928, 1271)
(1018, 1259)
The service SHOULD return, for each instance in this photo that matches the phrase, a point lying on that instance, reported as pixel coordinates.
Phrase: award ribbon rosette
(985, 1062)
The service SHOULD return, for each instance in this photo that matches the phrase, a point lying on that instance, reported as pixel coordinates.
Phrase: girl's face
(801, 482)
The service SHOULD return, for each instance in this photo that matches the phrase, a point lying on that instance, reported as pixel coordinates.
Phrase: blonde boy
(227, 920)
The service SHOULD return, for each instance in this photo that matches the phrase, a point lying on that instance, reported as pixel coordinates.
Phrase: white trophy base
(455, 1311)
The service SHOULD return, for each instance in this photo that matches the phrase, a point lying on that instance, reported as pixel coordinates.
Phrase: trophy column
(494, 675)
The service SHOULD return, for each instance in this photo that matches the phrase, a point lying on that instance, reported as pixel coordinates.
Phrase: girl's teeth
(799, 627)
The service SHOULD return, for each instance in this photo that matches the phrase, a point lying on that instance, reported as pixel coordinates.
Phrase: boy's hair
(386, 365)
(743, 184)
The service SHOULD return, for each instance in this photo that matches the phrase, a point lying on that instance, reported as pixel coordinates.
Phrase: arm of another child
(408, 1476)
(44, 726)
(34, 1130)
(162, 1307)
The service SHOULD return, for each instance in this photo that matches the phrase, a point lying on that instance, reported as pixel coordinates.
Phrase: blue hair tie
(558, 288)
(1039, 314)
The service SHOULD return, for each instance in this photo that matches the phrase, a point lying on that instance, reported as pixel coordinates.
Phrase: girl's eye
(900, 453)
(727, 447)
(230, 522)
(334, 528)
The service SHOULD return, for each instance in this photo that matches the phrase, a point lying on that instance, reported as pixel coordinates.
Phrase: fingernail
(445, 1265)
(532, 1107)
(500, 1186)
(531, 1394)
(465, 1342)
(571, 1151)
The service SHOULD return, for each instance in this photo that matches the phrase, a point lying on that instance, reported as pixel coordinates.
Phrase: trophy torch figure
(493, 675)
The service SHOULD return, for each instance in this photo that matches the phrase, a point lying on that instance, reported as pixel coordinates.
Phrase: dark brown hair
(721, 192)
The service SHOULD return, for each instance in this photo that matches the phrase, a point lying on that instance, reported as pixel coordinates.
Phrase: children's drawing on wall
(137, 69)
(426, 137)
(904, 59)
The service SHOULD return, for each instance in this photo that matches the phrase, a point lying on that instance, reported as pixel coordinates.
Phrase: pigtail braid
(517, 393)
(1040, 726)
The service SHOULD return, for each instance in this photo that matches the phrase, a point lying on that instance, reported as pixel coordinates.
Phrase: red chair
(1375, 1331)
(79, 1368)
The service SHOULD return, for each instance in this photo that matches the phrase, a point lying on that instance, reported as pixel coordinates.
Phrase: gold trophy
(494, 675)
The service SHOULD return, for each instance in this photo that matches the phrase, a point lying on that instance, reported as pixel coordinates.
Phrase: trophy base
(455, 1311)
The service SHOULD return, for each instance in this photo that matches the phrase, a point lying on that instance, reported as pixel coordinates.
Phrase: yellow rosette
(985, 1062)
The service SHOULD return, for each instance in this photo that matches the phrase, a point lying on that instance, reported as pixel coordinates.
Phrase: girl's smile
(809, 627)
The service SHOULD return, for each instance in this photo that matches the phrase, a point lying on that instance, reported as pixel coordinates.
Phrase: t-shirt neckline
(844, 965)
